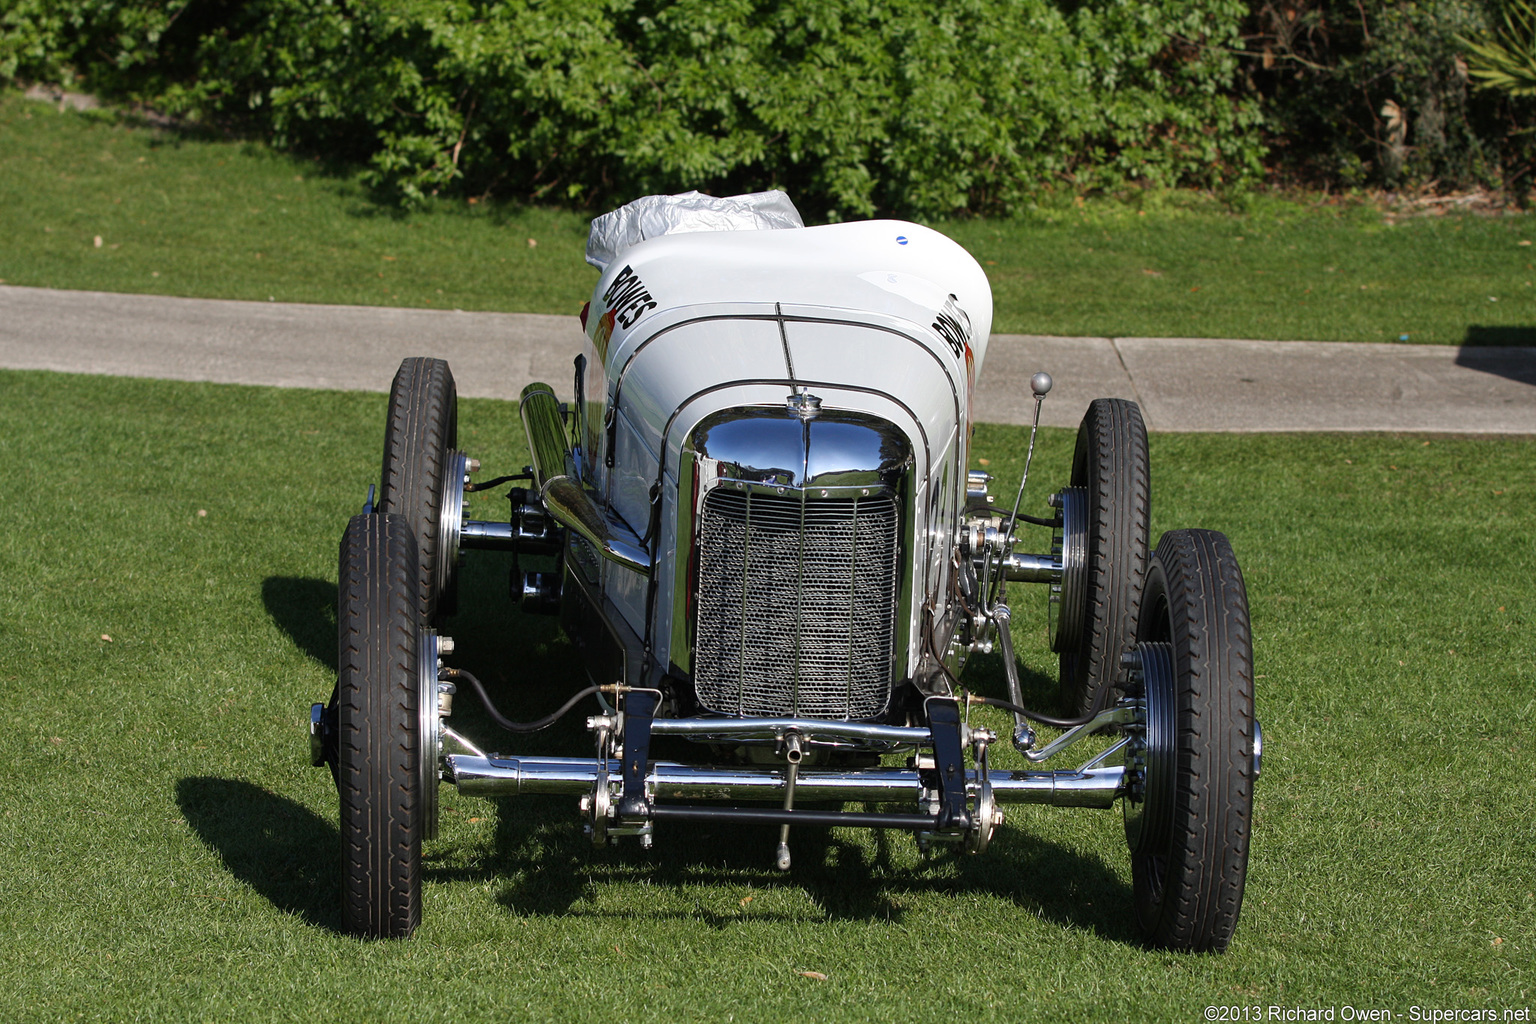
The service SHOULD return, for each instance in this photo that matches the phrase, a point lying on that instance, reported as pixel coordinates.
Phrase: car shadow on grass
(305, 609)
(275, 845)
(544, 865)
(550, 868)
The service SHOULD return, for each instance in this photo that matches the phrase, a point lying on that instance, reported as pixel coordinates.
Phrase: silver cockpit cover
(654, 216)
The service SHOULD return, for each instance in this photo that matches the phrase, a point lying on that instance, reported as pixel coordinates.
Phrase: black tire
(378, 729)
(1111, 464)
(422, 428)
(1189, 832)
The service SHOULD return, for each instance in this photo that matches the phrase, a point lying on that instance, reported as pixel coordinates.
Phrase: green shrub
(856, 106)
(1377, 92)
(111, 42)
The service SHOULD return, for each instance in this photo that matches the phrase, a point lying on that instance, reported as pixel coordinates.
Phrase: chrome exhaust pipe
(666, 780)
(564, 497)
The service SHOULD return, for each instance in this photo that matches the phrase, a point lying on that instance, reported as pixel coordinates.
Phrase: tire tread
(377, 726)
(1111, 461)
(422, 425)
(1196, 903)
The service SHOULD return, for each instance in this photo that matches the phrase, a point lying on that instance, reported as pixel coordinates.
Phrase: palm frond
(1507, 61)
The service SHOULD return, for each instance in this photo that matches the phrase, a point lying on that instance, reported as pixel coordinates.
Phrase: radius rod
(797, 816)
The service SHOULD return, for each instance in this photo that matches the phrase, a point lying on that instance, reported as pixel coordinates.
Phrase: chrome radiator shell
(797, 534)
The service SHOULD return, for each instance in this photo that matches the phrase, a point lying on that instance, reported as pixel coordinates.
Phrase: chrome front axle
(665, 780)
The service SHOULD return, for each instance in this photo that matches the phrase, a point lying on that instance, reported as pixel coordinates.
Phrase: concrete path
(1182, 384)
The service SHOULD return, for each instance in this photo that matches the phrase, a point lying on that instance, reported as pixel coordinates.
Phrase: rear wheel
(1189, 814)
(1107, 565)
(422, 431)
(380, 755)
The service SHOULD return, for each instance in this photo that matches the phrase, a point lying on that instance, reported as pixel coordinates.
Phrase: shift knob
(1040, 383)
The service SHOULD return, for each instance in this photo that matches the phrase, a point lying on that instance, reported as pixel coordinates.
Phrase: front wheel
(417, 480)
(1189, 814)
(380, 746)
(1104, 525)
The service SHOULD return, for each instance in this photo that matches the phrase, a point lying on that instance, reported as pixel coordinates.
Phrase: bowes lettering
(627, 298)
(954, 326)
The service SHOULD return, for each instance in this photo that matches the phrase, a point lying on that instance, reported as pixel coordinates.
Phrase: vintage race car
(763, 536)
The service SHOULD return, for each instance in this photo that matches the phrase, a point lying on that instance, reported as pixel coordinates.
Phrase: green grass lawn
(167, 854)
(177, 215)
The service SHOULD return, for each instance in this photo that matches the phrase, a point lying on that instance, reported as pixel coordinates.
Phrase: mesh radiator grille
(796, 605)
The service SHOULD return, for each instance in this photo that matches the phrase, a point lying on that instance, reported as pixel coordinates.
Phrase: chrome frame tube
(526, 532)
(477, 534)
(1020, 568)
(1095, 787)
(665, 780)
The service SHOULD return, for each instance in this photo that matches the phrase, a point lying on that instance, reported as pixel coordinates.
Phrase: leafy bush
(1376, 92)
(111, 41)
(856, 106)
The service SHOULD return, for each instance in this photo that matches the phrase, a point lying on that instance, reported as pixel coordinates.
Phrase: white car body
(884, 318)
